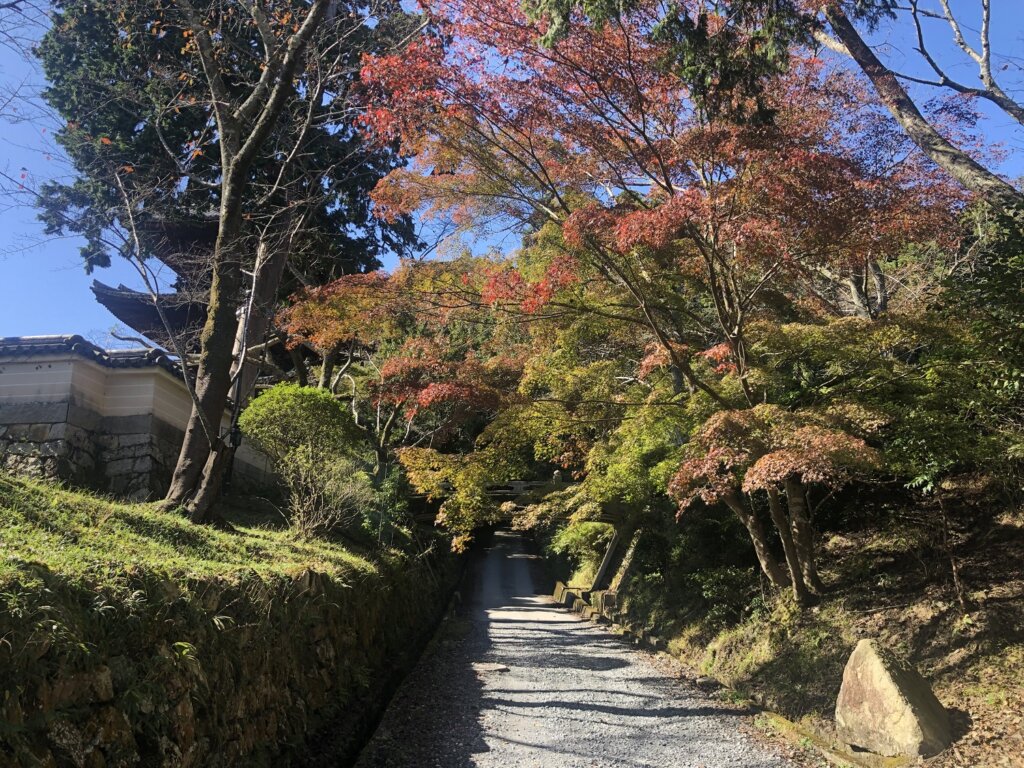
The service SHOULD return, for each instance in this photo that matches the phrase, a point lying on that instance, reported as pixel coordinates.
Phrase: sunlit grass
(77, 534)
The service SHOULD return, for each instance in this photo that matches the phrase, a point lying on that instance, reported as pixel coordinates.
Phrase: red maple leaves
(407, 332)
(760, 448)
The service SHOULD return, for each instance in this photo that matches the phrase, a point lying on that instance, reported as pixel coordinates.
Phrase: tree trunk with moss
(803, 534)
(800, 592)
(192, 480)
(244, 126)
(758, 538)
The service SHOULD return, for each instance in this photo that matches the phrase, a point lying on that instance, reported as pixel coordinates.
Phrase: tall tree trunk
(327, 369)
(380, 465)
(200, 509)
(759, 539)
(803, 533)
(194, 451)
(954, 161)
(858, 296)
(244, 126)
(881, 287)
(266, 283)
(213, 378)
(298, 363)
(781, 520)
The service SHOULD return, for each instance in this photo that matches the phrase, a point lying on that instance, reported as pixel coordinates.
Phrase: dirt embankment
(947, 596)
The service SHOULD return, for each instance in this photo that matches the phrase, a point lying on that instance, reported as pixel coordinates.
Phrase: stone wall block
(143, 440)
(76, 690)
(50, 448)
(33, 413)
(37, 433)
(83, 417)
(18, 431)
(119, 467)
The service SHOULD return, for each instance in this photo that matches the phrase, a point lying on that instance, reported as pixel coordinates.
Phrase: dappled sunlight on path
(516, 681)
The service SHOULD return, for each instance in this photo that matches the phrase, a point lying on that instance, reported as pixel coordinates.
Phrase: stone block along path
(515, 681)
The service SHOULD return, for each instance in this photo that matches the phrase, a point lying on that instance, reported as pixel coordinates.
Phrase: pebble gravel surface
(515, 681)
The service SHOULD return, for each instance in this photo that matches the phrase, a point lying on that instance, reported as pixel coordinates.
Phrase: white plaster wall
(88, 384)
(171, 401)
(128, 392)
(43, 380)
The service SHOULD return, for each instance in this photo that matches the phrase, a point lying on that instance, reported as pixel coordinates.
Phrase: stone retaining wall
(190, 673)
(52, 439)
(129, 456)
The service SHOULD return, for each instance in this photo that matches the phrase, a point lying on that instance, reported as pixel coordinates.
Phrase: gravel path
(518, 682)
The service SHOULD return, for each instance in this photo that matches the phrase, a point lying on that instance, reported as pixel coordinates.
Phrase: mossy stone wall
(254, 671)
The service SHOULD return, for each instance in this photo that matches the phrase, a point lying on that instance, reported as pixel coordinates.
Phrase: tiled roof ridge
(138, 357)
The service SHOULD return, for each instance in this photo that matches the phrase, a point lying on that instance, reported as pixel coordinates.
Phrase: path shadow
(483, 683)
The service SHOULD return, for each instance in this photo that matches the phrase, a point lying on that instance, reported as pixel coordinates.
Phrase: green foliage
(583, 545)
(991, 295)
(703, 569)
(723, 65)
(634, 464)
(289, 418)
(312, 439)
(133, 96)
(82, 536)
(326, 495)
(387, 519)
(913, 387)
(724, 52)
(727, 592)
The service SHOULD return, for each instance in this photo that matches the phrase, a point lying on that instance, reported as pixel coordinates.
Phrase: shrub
(325, 497)
(287, 417)
(311, 439)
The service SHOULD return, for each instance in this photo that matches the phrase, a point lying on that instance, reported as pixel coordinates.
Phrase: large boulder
(886, 707)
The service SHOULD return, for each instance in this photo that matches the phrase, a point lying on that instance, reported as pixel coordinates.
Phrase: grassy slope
(212, 636)
(90, 538)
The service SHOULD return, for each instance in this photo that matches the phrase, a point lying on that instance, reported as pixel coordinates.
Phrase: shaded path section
(516, 681)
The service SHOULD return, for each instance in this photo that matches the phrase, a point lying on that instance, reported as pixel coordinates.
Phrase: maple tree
(414, 352)
(694, 217)
(743, 43)
(768, 450)
(682, 232)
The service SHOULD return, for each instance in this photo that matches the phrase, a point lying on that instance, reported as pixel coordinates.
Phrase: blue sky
(45, 290)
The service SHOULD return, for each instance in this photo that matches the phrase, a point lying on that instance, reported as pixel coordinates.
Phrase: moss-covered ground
(128, 634)
(80, 535)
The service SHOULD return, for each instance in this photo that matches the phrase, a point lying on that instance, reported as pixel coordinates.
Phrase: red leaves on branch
(707, 478)
(402, 89)
(345, 310)
(399, 327)
(598, 138)
(504, 284)
(721, 358)
(657, 356)
(760, 448)
(815, 455)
